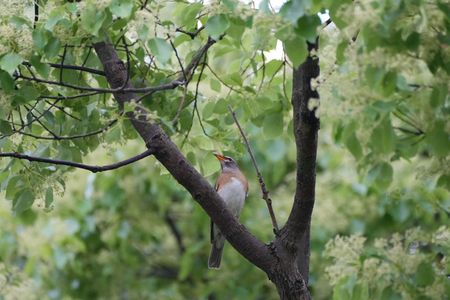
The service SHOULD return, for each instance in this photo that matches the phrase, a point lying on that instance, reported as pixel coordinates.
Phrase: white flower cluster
(395, 264)
(16, 39)
(14, 7)
(345, 252)
(15, 284)
(5, 104)
(101, 4)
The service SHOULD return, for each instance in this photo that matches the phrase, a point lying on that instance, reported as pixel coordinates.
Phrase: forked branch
(91, 168)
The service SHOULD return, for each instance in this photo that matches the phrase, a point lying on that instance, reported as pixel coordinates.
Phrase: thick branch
(93, 169)
(175, 162)
(295, 234)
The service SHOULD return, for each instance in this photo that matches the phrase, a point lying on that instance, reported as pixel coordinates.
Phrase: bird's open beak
(219, 156)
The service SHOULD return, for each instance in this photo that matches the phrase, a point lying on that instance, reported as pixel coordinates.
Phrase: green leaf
(389, 83)
(307, 26)
(438, 95)
(336, 15)
(215, 85)
(161, 49)
(6, 82)
(19, 21)
(14, 185)
(48, 197)
(25, 94)
(230, 4)
(381, 175)
(296, 50)
(424, 274)
(340, 52)
(5, 127)
(41, 68)
(52, 47)
(29, 93)
(221, 107)
(444, 181)
(23, 201)
(186, 14)
(292, 10)
(273, 125)
(344, 288)
(353, 145)
(121, 8)
(400, 212)
(10, 61)
(361, 291)
(236, 29)
(264, 7)
(413, 41)
(217, 25)
(92, 19)
(438, 139)
(383, 138)
(40, 39)
(208, 110)
(56, 15)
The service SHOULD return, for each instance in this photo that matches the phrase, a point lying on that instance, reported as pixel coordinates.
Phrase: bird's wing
(212, 232)
(216, 187)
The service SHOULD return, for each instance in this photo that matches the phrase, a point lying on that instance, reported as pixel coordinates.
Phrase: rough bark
(296, 233)
(286, 274)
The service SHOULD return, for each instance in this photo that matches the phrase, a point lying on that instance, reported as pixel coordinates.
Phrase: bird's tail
(215, 257)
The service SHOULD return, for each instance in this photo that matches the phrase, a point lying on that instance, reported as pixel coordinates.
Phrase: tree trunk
(286, 274)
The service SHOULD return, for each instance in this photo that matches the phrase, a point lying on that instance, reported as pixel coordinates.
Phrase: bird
(232, 186)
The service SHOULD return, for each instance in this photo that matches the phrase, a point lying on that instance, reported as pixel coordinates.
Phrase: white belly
(233, 195)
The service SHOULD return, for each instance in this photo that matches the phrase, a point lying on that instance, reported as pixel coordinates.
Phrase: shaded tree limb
(91, 168)
(264, 191)
(295, 234)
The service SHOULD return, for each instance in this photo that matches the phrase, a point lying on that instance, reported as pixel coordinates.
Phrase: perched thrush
(232, 186)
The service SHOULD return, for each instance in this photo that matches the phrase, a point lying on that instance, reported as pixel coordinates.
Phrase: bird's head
(226, 162)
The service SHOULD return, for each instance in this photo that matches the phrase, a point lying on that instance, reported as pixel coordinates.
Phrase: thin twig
(70, 137)
(263, 71)
(62, 109)
(91, 168)
(70, 67)
(221, 81)
(196, 98)
(265, 192)
(41, 123)
(191, 34)
(61, 66)
(180, 107)
(178, 58)
(195, 105)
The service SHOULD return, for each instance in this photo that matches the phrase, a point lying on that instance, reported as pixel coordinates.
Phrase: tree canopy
(379, 229)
